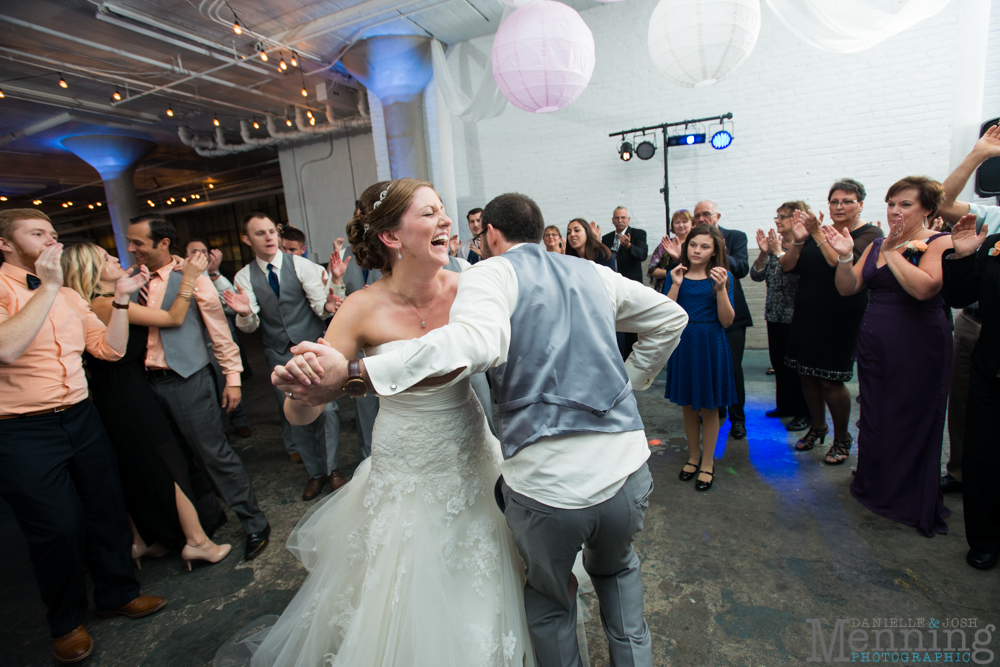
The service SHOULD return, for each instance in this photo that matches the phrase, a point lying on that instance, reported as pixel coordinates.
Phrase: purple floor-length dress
(904, 366)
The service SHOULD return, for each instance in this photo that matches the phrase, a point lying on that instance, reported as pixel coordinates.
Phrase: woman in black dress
(167, 498)
(823, 335)
(582, 241)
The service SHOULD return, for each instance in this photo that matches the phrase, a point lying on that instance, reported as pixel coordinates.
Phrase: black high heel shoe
(808, 441)
(686, 476)
(704, 486)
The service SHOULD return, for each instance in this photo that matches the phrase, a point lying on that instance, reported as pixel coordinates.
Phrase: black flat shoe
(798, 424)
(686, 476)
(773, 413)
(950, 485)
(704, 486)
(256, 543)
(981, 560)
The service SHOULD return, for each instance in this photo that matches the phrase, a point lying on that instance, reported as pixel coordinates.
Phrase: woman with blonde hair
(167, 504)
(553, 240)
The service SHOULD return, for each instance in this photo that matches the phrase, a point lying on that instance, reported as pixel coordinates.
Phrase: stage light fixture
(645, 150)
(721, 139)
(295, 59)
(62, 81)
(37, 202)
(686, 139)
(215, 121)
(170, 111)
(625, 151)
(237, 28)
(116, 96)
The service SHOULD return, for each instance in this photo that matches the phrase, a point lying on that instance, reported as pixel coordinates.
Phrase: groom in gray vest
(285, 295)
(574, 470)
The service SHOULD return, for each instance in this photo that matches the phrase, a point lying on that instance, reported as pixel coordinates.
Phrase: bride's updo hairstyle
(381, 208)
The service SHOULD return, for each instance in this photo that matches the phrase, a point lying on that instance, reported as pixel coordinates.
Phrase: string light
(69, 203)
(170, 111)
(151, 204)
(295, 59)
(37, 202)
(3, 198)
(256, 125)
(210, 186)
(184, 199)
(309, 113)
(304, 93)
(288, 122)
(236, 27)
(98, 203)
(282, 65)
(62, 81)
(215, 121)
(263, 53)
(116, 96)
(90, 206)
(312, 121)
(1, 94)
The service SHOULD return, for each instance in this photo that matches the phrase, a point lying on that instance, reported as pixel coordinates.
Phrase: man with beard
(57, 468)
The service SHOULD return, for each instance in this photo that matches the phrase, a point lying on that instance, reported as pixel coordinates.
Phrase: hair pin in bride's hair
(366, 227)
(381, 197)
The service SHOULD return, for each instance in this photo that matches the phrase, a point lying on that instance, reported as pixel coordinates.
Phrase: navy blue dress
(700, 371)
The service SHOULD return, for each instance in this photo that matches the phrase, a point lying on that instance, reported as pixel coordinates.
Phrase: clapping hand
(773, 243)
(938, 225)
(625, 240)
(214, 259)
(596, 227)
(799, 231)
(338, 267)
(812, 223)
(673, 249)
(841, 242)
(135, 277)
(238, 302)
(719, 278)
(677, 274)
(48, 267)
(333, 301)
(989, 144)
(762, 242)
(964, 237)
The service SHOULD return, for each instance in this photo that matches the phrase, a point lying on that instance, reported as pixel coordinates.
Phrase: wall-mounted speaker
(988, 174)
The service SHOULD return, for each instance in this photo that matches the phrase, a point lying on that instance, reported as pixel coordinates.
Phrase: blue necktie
(473, 257)
(272, 278)
(33, 281)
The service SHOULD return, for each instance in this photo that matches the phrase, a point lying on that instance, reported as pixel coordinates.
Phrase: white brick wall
(803, 118)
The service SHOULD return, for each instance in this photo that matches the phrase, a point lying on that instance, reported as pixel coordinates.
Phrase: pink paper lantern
(543, 57)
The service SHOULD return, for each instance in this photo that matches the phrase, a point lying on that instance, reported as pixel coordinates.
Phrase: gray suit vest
(290, 319)
(185, 347)
(564, 373)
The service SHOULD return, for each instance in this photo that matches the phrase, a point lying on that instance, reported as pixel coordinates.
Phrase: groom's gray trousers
(548, 539)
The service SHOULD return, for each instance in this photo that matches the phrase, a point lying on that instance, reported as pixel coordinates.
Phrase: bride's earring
(399, 253)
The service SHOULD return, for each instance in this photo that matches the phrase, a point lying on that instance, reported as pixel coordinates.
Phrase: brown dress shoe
(295, 457)
(144, 605)
(244, 432)
(313, 488)
(72, 647)
(337, 479)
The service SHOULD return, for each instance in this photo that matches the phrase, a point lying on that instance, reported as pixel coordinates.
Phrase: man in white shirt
(286, 296)
(574, 447)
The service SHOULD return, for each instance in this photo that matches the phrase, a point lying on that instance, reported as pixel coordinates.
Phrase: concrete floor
(730, 575)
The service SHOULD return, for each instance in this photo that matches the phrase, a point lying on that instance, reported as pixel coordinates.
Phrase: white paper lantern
(518, 3)
(696, 43)
(543, 56)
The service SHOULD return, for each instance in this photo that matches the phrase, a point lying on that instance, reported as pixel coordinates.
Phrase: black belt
(973, 312)
(157, 373)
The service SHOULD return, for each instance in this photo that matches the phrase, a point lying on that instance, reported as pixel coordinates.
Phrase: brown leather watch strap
(115, 304)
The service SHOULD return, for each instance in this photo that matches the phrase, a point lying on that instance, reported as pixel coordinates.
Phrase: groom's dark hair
(515, 216)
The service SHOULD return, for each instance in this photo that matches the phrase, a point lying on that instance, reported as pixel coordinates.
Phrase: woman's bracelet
(840, 260)
(798, 242)
(821, 243)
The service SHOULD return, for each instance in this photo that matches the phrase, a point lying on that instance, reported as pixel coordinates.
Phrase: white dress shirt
(571, 471)
(309, 274)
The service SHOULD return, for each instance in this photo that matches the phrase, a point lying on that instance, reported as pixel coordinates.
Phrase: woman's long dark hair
(593, 249)
(719, 257)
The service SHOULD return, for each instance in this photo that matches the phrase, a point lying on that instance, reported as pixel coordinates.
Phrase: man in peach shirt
(58, 470)
(178, 368)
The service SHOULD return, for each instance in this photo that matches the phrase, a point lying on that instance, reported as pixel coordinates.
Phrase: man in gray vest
(286, 297)
(177, 365)
(574, 469)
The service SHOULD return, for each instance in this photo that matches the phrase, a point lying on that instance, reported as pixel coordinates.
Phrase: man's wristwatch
(355, 387)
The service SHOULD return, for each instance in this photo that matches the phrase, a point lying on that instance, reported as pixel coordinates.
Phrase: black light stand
(666, 148)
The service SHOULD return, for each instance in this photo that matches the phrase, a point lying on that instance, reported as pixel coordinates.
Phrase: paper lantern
(518, 3)
(543, 56)
(696, 43)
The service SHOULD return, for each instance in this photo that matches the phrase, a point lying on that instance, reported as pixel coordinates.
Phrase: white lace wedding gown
(411, 563)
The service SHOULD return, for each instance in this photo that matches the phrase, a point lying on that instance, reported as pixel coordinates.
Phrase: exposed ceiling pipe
(14, 91)
(41, 126)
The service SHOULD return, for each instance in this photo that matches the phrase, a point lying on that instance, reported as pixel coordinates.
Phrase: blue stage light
(721, 139)
(686, 139)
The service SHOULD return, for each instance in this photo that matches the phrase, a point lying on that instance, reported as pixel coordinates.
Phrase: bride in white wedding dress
(411, 563)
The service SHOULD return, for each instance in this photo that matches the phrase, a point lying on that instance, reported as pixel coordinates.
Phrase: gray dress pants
(317, 443)
(191, 404)
(548, 539)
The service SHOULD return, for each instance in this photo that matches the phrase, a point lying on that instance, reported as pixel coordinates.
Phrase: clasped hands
(314, 376)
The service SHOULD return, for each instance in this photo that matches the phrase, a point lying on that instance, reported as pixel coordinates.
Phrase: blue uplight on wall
(721, 139)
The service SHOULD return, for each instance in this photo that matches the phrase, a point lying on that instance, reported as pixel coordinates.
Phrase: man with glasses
(469, 251)
(705, 213)
(628, 245)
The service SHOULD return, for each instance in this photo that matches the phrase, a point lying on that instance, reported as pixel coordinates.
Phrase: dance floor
(730, 575)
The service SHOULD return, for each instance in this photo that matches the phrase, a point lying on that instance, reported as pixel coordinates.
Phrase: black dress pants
(737, 341)
(59, 474)
(789, 399)
(981, 464)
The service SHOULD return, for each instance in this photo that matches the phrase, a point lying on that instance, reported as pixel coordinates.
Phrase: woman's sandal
(808, 441)
(840, 451)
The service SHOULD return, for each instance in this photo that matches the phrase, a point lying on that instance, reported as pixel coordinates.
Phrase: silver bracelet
(821, 243)
(845, 261)
(798, 242)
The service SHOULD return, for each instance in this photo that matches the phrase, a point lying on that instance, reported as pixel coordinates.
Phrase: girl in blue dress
(700, 374)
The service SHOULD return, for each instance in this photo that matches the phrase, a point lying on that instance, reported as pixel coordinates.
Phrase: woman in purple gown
(904, 359)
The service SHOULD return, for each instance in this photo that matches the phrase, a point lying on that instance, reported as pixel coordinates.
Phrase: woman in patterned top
(778, 308)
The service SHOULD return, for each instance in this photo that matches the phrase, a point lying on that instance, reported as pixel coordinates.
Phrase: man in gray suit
(574, 449)
(177, 365)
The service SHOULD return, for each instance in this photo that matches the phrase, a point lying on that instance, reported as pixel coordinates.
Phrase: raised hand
(338, 267)
(48, 267)
(719, 278)
(454, 245)
(841, 242)
(677, 274)
(964, 237)
(762, 242)
(812, 223)
(237, 301)
(938, 225)
(989, 144)
(799, 230)
(333, 301)
(214, 260)
(664, 241)
(193, 267)
(596, 227)
(773, 242)
(673, 249)
(135, 277)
